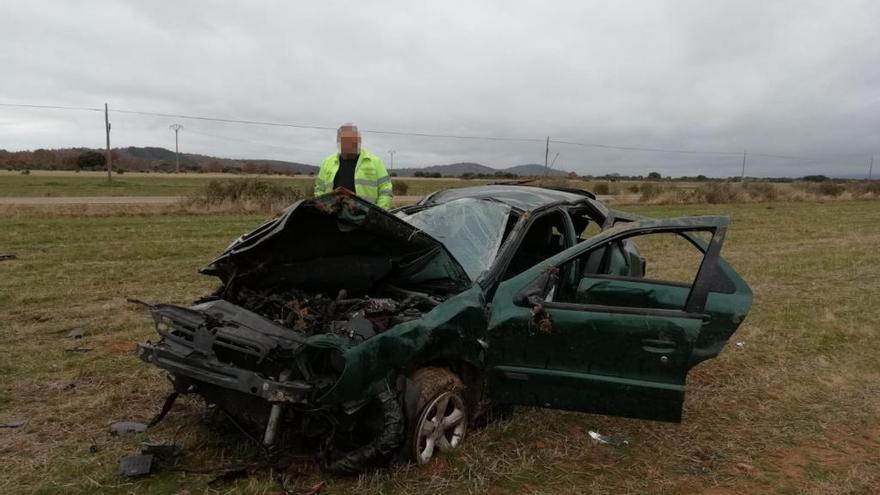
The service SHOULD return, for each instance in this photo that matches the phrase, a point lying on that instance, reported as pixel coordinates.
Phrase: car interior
(544, 239)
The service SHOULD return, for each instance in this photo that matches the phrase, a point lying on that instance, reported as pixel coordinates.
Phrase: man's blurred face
(349, 142)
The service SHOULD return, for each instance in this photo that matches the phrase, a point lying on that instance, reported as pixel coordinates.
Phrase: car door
(572, 333)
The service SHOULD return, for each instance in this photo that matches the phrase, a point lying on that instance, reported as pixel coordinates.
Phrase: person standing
(354, 169)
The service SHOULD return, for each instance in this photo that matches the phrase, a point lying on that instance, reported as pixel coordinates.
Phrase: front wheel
(442, 419)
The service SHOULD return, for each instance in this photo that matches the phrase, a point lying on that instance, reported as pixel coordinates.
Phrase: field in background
(794, 409)
(59, 183)
(66, 184)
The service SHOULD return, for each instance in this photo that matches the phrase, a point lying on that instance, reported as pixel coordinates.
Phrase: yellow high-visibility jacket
(371, 180)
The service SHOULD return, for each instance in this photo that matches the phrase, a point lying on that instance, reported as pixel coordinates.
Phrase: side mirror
(538, 288)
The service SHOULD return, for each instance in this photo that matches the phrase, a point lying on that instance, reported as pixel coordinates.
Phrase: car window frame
(699, 290)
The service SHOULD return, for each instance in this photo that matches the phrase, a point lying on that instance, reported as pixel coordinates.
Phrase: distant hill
(459, 169)
(149, 158)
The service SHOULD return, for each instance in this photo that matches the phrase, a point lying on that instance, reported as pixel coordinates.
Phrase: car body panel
(624, 351)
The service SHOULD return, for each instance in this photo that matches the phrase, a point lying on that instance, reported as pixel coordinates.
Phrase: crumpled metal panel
(338, 241)
(450, 331)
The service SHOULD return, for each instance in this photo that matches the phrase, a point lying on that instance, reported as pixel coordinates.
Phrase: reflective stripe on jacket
(371, 180)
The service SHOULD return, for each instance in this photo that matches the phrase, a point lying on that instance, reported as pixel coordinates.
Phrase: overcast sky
(794, 78)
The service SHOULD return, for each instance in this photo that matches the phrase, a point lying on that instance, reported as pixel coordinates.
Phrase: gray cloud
(788, 78)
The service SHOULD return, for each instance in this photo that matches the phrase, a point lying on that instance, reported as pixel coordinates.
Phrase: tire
(442, 416)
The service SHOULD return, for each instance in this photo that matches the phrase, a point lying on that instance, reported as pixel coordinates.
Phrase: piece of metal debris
(315, 489)
(235, 474)
(599, 438)
(79, 348)
(136, 465)
(162, 451)
(7, 257)
(77, 333)
(14, 424)
(121, 428)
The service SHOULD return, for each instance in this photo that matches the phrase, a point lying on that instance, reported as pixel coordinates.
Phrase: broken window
(471, 229)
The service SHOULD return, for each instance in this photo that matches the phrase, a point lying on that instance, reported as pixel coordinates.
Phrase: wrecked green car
(372, 335)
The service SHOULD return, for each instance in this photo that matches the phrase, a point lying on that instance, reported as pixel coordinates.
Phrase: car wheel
(442, 419)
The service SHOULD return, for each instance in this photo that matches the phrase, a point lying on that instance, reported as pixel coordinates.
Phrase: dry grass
(793, 410)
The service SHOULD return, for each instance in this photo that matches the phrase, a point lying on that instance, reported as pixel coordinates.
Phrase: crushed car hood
(338, 241)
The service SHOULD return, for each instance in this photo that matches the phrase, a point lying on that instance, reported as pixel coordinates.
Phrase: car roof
(521, 197)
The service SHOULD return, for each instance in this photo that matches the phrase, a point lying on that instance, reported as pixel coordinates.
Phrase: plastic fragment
(122, 428)
(601, 439)
(136, 465)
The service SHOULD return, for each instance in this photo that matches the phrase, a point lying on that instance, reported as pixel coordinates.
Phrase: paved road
(90, 200)
(162, 200)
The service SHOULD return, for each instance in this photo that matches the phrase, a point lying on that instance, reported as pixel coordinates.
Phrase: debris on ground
(122, 428)
(315, 489)
(7, 257)
(14, 424)
(79, 348)
(67, 387)
(136, 465)
(232, 475)
(77, 333)
(740, 345)
(601, 439)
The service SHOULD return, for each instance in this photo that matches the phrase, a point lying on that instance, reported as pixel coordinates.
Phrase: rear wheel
(441, 423)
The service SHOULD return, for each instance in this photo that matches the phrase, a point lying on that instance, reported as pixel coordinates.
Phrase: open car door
(592, 330)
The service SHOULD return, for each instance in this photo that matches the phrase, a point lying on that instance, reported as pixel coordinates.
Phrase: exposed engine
(357, 318)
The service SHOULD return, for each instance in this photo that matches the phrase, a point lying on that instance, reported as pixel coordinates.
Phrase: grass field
(59, 183)
(794, 409)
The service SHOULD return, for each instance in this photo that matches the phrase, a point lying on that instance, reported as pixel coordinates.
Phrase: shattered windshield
(471, 229)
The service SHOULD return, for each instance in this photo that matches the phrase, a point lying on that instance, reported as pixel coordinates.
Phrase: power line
(51, 107)
(325, 128)
(653, 150)
(436, 135)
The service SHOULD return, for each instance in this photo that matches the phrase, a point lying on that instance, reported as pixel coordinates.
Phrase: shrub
(760, 191)
(601, 188)
(91, 160)
(245, 194)
(826, 189)
(633, 188)
(715, 193)
(399, 187)
(25, 172)
(650, 191)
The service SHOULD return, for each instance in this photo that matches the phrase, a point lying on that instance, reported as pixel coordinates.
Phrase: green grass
(141, 184)
(794, 410)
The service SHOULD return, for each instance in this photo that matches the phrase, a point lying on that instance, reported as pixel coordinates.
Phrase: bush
(715, 193)
(760, 191)
(601, 188)
(91, 160)
(650, 191)
(25, 172)
(399, 187)
(633, 188)
(246, 194)
(826, 189)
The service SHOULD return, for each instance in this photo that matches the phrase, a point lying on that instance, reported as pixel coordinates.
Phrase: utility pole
(546, 156)
(554, 160)
(742, 176)
(109, 159)
(176, 128)
(871, 168)
(392, 152)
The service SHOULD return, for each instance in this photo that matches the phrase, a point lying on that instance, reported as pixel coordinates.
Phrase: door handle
(658, 346)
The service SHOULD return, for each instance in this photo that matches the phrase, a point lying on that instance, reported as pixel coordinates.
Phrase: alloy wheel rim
(442, 426)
